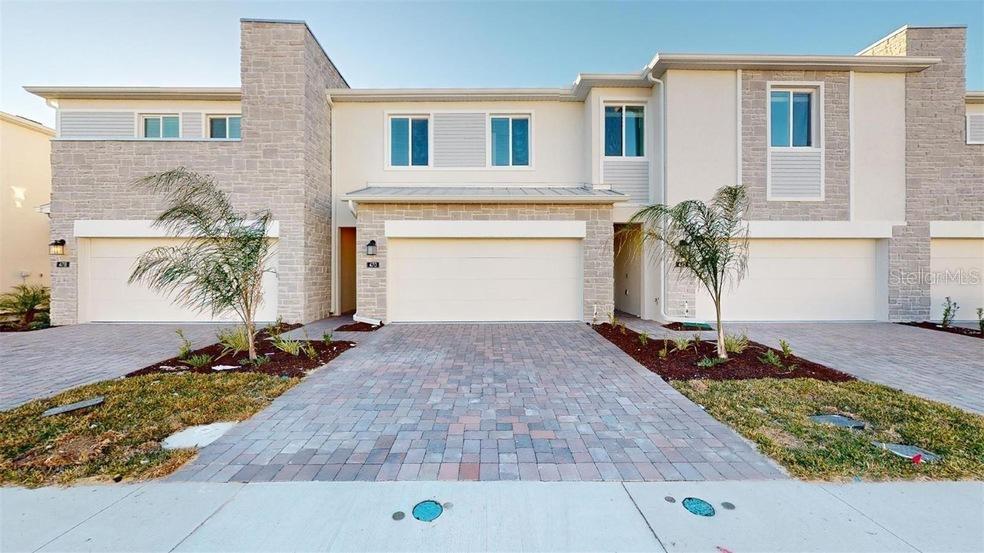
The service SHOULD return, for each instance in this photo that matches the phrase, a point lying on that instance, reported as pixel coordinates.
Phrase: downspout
(662, 187)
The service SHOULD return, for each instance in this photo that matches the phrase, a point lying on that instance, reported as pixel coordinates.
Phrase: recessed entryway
(484, 279)
(628, 270)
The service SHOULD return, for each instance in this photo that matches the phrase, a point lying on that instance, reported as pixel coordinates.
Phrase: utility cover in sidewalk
(73, 406)
(427, 511)
(909, 452)
(197, 436)
(698, 507)
(838, 420)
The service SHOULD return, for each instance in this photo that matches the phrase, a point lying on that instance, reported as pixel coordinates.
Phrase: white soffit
(485, 229)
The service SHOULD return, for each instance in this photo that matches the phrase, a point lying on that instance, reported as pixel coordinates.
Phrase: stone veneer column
(944, 174)
(598, 245)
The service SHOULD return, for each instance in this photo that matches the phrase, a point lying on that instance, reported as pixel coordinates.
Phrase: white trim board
(821, 229)
(956, 229)
(485, 229)
(136, 228)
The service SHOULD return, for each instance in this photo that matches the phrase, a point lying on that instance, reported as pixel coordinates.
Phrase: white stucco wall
(25, 184)
(701, 133)
(879, 147)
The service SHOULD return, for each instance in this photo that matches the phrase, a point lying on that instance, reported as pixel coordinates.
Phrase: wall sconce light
(57, 247)
(371, 248)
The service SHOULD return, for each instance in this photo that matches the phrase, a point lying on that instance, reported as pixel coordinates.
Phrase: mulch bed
(682, 365)
(684, 327)
(358, 327)
(951, 329)
(281, 363)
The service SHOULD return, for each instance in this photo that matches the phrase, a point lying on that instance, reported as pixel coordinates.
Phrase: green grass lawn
(121, 437)
(773, 413)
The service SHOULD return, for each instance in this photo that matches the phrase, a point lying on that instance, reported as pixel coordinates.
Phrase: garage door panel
(802, 280)
(479, 279)
(105, 295)
(957, 265)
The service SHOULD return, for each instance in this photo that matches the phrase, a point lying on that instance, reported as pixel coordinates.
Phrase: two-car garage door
(484, 279)
(804, 280)
(105, 295)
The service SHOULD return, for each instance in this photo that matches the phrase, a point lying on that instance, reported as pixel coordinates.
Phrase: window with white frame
(409, 137)
(160, 126)
(625, 130)
(510, 140)
(224, 126)
(793, 118)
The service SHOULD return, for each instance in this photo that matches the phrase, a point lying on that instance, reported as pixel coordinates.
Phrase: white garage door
(105, 295)
(803, 280)
(957, 265)
(484, 279)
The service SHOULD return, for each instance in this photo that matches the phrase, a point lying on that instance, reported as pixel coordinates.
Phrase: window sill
(625, 158)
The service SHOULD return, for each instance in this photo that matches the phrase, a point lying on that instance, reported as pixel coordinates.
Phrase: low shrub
(950, 308)
(680, 344)
(644, 339)
(735, 343)
(198, 360)
(234, 340)
(288, 345)
(185, 348)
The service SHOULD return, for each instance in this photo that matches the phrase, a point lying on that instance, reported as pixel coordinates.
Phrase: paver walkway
(44, 362)
(929, 363)
(481, 402)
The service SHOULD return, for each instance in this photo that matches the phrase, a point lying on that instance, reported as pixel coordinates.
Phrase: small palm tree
(709, 241)
(25, 301)
(220, 266)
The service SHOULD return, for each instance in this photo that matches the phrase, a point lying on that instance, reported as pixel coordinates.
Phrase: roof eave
(874, 64)
(470, 199)
(135, 93)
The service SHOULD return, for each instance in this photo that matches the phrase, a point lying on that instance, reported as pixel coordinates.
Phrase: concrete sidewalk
(495, 516)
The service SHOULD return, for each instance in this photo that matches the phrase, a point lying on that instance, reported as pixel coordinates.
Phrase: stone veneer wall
(598, 245)
(944, 174)
(836, 141)
(281, 164)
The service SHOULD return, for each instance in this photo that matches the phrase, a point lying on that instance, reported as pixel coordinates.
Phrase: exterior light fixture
(370, 247)
(57, 247)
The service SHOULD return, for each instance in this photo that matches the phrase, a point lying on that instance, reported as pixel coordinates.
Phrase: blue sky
(418, 44)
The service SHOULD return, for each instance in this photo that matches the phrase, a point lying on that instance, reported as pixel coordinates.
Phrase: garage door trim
(485, 229)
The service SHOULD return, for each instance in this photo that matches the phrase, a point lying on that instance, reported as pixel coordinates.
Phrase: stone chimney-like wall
(944, 174)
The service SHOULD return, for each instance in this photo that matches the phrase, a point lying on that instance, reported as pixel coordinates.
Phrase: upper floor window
(160, 126)
(409, 141)
(625, 131)
(510, 141)
(224, 126)
(792, 118)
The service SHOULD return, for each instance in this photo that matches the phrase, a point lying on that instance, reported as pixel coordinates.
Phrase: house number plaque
(372, 264)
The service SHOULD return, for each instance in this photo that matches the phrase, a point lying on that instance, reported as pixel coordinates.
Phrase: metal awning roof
(484, 194)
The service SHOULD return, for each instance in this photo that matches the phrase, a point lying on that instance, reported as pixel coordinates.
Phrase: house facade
(25, 182)
(865, 173)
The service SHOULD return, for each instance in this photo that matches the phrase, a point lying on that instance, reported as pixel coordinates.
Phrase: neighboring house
(25, 182)
(866, 176)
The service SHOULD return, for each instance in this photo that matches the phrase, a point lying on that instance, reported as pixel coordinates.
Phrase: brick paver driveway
(44, 362)
(481, 401)
(928, 363)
